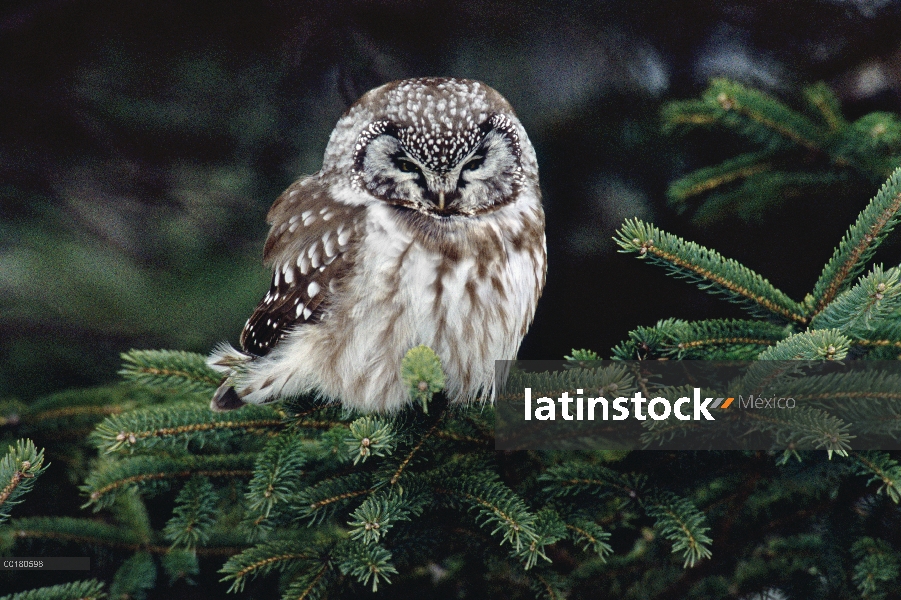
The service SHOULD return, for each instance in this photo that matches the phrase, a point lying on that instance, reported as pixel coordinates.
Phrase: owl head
(438, 146)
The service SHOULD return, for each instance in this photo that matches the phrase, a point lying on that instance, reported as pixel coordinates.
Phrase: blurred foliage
(19, 468)
(794, 152)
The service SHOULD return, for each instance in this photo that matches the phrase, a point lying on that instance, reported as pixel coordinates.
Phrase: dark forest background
(141, 145)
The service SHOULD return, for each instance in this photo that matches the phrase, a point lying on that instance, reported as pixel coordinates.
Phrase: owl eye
(406, 165)
(474, 164)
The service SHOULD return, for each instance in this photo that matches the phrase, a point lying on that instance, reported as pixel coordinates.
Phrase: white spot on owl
(303, 263)
(329, 247)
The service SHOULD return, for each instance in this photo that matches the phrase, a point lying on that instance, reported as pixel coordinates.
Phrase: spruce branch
(873, 143)
(408, 459)
(780, 363)
(310, 583)
(582, 359)
(715, 339)
(151, 474)
(680, 521)
(84, 532)
(371, 436)
(262, 559)
(615, 380)
(331, 445)
(372, 520)
(89, 589)
(682, 116)
(473, 430)
(96, 535)
(714, 177)
(877, 569)
(871, 384)
(134, 577)
(73, 413)
(751, 113)
(130, 509)
(309, 412)
(184, 372)
(881, 129)
(647, 342)
(194, 514)
(723, 339)
(855, 312)
(883, 469)
(806, 427)
(365, 563)
(277, 475)
(819, 344)
(782, 559)
(546, 584)
(180, 565)
(495, 505)
(833, 153)
(322, 499)
(886, 349)
(881, 341)
(549, 528)
(577, 477)
(824, 101)
(176, 426)
(19, 469)
(750, 198)
(761, 117)
(859, 243)
(591, 537)
(422, 373)
(709, 270)
(661, 432)
(868, 400)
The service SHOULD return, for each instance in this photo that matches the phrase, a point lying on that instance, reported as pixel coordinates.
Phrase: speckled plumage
(424, 226)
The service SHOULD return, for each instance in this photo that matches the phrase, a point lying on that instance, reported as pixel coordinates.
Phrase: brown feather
(309, 247)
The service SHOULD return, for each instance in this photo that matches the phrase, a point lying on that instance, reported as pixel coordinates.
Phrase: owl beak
(442, 191)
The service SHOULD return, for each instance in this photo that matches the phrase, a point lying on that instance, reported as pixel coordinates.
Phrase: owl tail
(226, 360)
(225, 398)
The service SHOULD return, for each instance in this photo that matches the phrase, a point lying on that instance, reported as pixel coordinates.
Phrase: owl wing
(310, 248)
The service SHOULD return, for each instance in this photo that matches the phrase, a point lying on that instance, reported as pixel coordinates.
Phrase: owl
(424, 226)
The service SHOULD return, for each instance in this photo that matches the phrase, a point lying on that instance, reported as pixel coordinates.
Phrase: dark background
(141, 145)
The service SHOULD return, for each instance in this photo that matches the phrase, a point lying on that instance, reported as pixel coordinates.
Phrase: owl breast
(467, 288)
